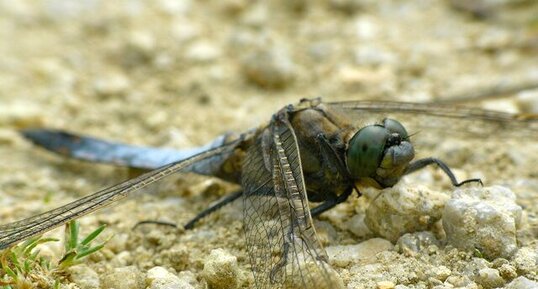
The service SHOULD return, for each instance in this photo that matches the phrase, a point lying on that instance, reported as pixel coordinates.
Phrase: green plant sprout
(75, 250)
(23, 267)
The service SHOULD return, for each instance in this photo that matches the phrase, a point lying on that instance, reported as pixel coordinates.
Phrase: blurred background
(180, 72)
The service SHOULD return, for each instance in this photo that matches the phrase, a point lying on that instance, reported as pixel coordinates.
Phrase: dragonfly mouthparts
(394, 139)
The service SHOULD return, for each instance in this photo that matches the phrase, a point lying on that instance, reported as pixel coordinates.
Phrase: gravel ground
(178, 73)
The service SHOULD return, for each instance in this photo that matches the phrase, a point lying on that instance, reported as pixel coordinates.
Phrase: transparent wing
(451, 119)
(281, 241)
(17, 231)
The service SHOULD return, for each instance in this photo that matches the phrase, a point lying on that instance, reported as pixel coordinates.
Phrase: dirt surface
(179, 73)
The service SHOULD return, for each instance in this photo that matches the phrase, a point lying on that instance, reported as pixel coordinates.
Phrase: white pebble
(366, 251)
(174, 7)
(112, 84)
(367, 28)
(526, 260)
(24, 114)
(413, 243)
(527, 101)
(202, 51)
(483, 219)
(329, 279)
(123, 278)
(522, 283)
(221, 270)
(489, 278)
(84, 276)
(439, 273)
(160, 278)
(269, 67)
(373, 55)
(399, 210)
(357, 226)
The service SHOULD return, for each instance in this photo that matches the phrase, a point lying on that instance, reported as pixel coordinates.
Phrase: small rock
(372, 55)
(363, 252)
(439, 273)
(10, 137)
(221, 270)
(483, 219)
(357, 226)
(526, 260)
(256, 16)
(177, 257)
(269, 67)
(184, 31)
(142, 41)
(123, 278)
(399, 210)
(111, 85)
(527, 101)
(522, 283)
(489, 278)
(139, 49)
(326, 232)
(84, 276)
(443, 286)
(493, 39)
(459, 281)
(367, 28)
(202, 51)
(329, 279)
(160, 278)
(412, 243)
(20, 114)
(353, 76)
(507, 271)
(58, 9)
(505, 105)
(174, 7)
(123, 258)
(385, 285)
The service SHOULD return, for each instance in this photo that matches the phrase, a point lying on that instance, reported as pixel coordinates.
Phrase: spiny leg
(330, 203)
(211, 209)
(161, 223)
(420, 164)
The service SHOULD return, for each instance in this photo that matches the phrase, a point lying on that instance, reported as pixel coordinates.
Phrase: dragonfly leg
(421, 163)
(162, 223)
(330, 203)
(211, 209)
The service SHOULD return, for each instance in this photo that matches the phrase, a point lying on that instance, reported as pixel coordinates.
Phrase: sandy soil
(178, 73)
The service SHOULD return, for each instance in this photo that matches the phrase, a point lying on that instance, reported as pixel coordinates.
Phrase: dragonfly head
(379, 153)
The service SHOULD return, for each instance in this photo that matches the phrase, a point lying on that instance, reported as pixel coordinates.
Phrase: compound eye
(395, 126)
(366, 149)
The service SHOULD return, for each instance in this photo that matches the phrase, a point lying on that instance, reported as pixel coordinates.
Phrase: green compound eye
(366, 150)
(395, 126)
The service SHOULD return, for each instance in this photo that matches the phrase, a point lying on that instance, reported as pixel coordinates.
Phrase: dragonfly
(309, 152)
